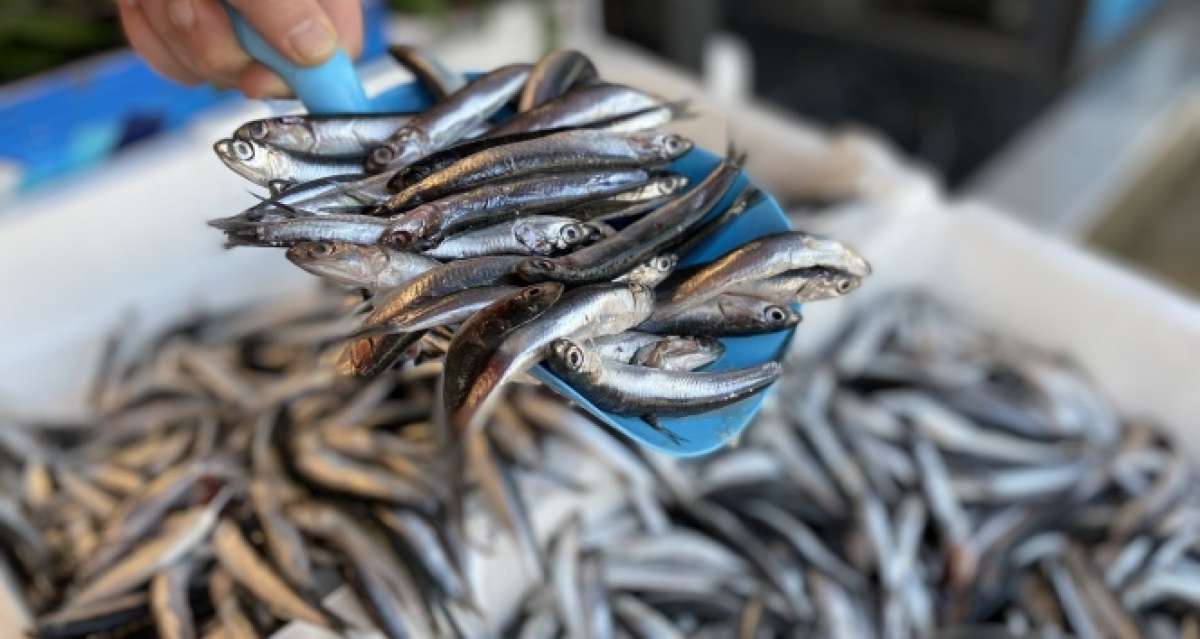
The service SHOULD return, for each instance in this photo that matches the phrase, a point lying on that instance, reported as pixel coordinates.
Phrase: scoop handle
(332, 87)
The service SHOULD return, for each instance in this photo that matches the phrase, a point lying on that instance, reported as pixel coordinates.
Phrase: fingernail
(181, 13)
(313, 40)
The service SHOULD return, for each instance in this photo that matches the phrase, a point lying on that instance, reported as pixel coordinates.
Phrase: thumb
(298, 29)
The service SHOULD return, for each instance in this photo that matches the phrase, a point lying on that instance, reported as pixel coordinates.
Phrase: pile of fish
(925, 478)
(549, 235)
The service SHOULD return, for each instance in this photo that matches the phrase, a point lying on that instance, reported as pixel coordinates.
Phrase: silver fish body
(366, 266)
(449, 120)
(725, 315)
(354, 229)
(352, 135)
(586, 106)
(553, 75)
(634, 390)
(495, 202)
(533, 235)
(261, 163)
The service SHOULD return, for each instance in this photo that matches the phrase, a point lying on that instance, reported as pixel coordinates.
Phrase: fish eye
(399, 238)
(243, 150)
(574, 358)
(675, 143)
(844, 285)
(572, 233)
(776, 314)
(323, 249)
(533, 293)
(383, 155)
(259, 130)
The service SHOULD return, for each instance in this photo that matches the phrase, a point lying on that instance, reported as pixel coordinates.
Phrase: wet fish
(635, 390)
(658, 190)
(261, 163)
(726, 315)
(563, 151)
(555, 74)
(170, 604)
(497, 202)
(603, 309)
(353, 229)
(761, 259)
(652, 272)
(449, 120)
(237, 557)
(533, 235)
(586, 106)
(372, 266)
(639, 240)
(347, 135)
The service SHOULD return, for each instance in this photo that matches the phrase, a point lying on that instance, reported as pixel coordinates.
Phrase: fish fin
(279, 187)
(656, 424)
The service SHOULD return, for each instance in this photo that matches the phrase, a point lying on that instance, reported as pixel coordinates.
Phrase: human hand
(192, 41)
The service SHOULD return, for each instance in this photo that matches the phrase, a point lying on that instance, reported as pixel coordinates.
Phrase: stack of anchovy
(549, 236)
(924, 479)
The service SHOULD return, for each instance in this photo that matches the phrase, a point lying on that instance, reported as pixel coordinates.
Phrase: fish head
(403, 148)
(342, 262)
(252, 160)
(670, 184)
(670, 146)
(827, 283)
(572, 358)
(410, 229)
(542, 295)
(289, 131)
(751, 314)
(709, 346)
(653, 271)
(538, 269)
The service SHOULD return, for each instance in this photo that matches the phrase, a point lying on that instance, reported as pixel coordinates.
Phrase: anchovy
(374, 267)
(180, 537)
(440, 281)
(108, 615)
(283, 541)
(725, 315)
(434, 76)
(639, 240)
(396, 601)
(805, 542)
(555, 74)
(344, 474)
(603, 309)
(262, 163)
(652, 272)
(659, 190)
(350, 134)
(805, 285)
(533, 235)
(354, 229)
(586, 106)
(427, 546)
(234, 621)
(449, 120)
(563, 151)
(496, 202)
(169, 602)
(237, 557)
(644, 620)
(480, 335)
(407, 176)
(760, 259)
(674, 353)
(451, 308)
(635, 390)
(568, 597)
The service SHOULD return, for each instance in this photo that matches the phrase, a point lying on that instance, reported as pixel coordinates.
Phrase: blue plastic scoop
(334, 88)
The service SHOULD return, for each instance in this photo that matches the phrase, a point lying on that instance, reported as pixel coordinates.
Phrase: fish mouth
(224, 149)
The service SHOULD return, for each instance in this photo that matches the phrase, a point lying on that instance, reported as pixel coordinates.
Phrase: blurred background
(1079, 116)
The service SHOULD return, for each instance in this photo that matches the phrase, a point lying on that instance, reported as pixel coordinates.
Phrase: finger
(298, 29)
(347, 17)
(203, 31)
(257, 81)
(146, 42)
(155, 12)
